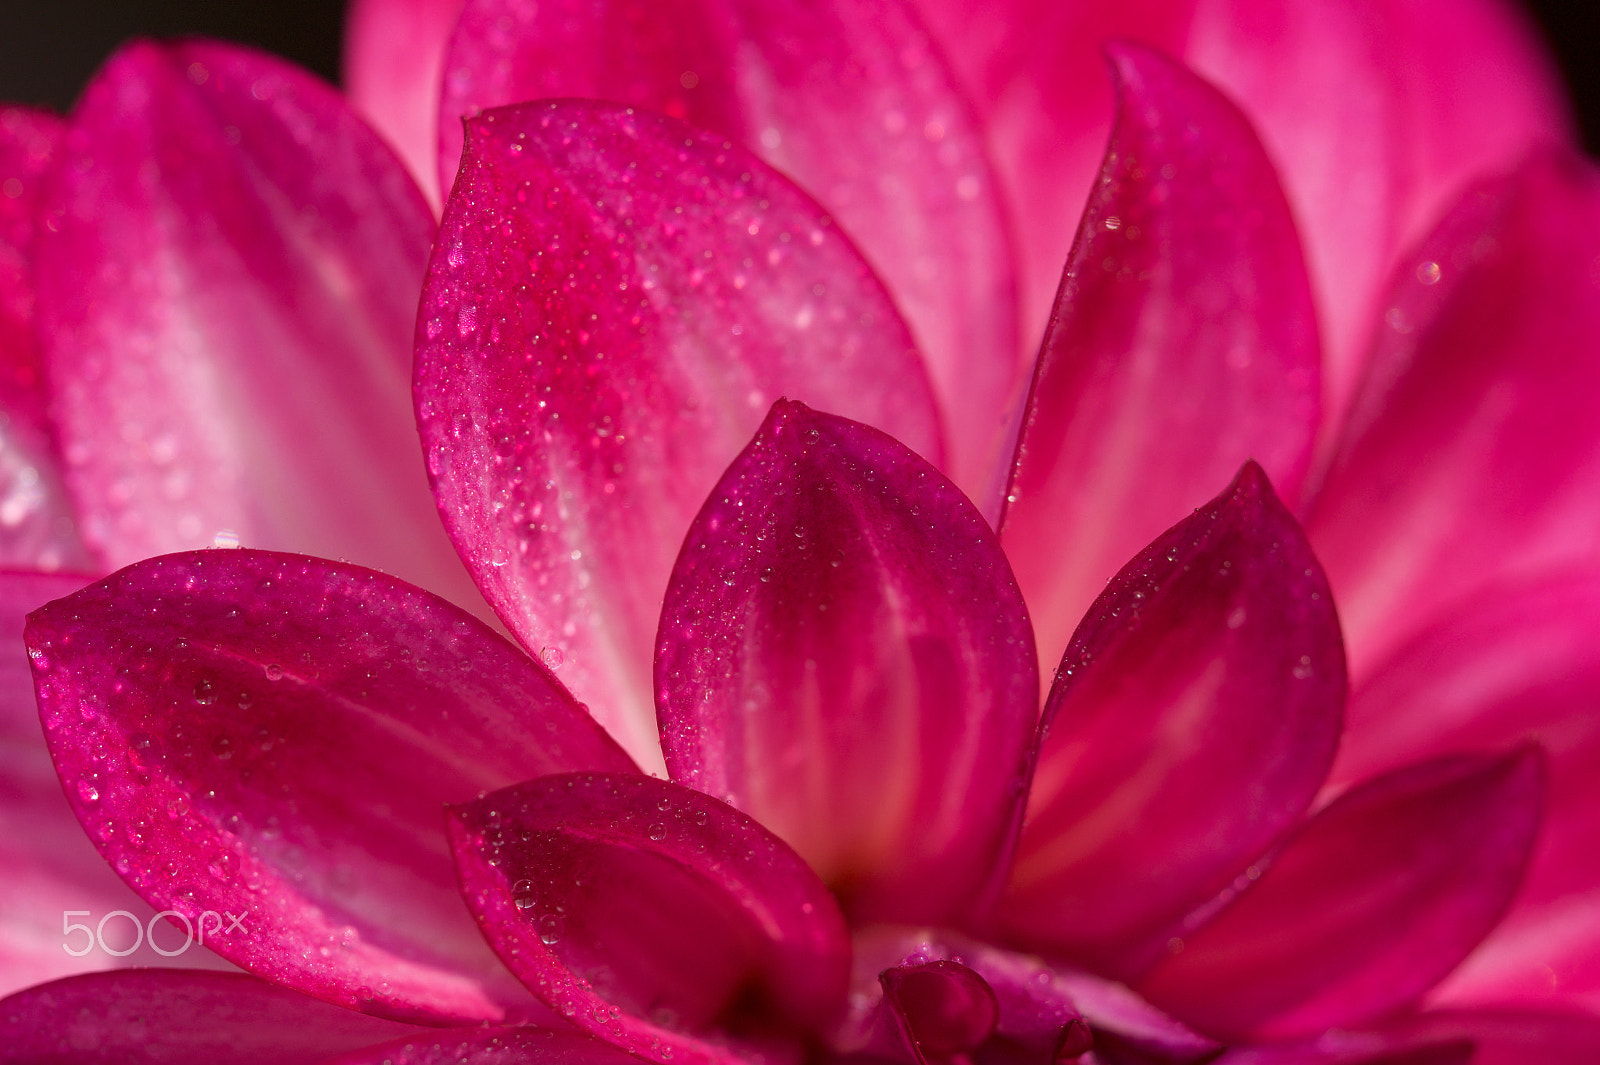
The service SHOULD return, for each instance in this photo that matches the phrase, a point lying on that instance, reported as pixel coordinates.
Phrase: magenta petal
(49, 865)
(853, 102)
(1359, 105)
(393, 63)
(1046, 1013)
(1473, 449)
(227, 292)
(1374, 900)
(1221, 628)
(37, 529)
(614, 303)
(1184, 343)
(490, 1046)
(272, 736)
(1515, 1037)
(651, 915)
(942, 1008)
(1339, 1047)
(178, 1017)
(844, 655)
(1520, 663)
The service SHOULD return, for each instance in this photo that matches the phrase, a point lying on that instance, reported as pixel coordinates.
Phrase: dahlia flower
(768, 481)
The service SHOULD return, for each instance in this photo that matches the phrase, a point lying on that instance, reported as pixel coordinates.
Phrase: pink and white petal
(1360, 107)
(1514, 1037)
(614, 302)
(1200, 702)
(393, 68)
(1367, 907)
(227, 292)
(179, 1017)
(652, 916)
(490, 1046)
(36, 521)
(1184, 343)
(852, 101)
(51, 867)
(274, 737)
(1516, 663)
(844, 655)
(1472, 455)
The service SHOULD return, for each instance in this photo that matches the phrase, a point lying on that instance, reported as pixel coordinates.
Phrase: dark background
(48, 48)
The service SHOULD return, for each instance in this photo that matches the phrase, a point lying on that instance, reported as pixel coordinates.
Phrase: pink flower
(613, 303)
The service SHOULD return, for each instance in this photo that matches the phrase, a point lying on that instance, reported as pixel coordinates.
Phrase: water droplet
(88, 792)
(205, 693)
(658, 832)
(550, 929)
(551, 657)
(222, 747)
(273, 671)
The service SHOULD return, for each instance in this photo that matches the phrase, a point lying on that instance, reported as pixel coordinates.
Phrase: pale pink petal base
(227, 294)
(1183, 344)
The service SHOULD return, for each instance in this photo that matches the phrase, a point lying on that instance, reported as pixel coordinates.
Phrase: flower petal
(36, 521)
(1337, 1047)
(490, 1046)
(227, 291)
(1223, 627)
(1472, 454)
(1359, 105)
(1184, 343)
(179, 1017)
(844, 656)
(50, 866)
(853, 102)
(942, 1009)
(614, 301)
(651, 915)
(1046, 1013)
(1374, 900)
(393, 66)
(246, 733)
(1519, 662)
(1515, 1037)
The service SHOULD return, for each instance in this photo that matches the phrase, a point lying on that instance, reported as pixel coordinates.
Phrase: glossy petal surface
(1519, 663)
(1191, 722)
(490, 1046)
(178, 1017)
(1183, 343)
(36, 522)
(275, 737)
(227, 292)
(650, 915)
(1514, 1037)
(50, 866)
(614, 302)
(393, 63)
(1472, 453)
(1380, 895)
(1361, 107)
(844, 655)
(854, 103)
